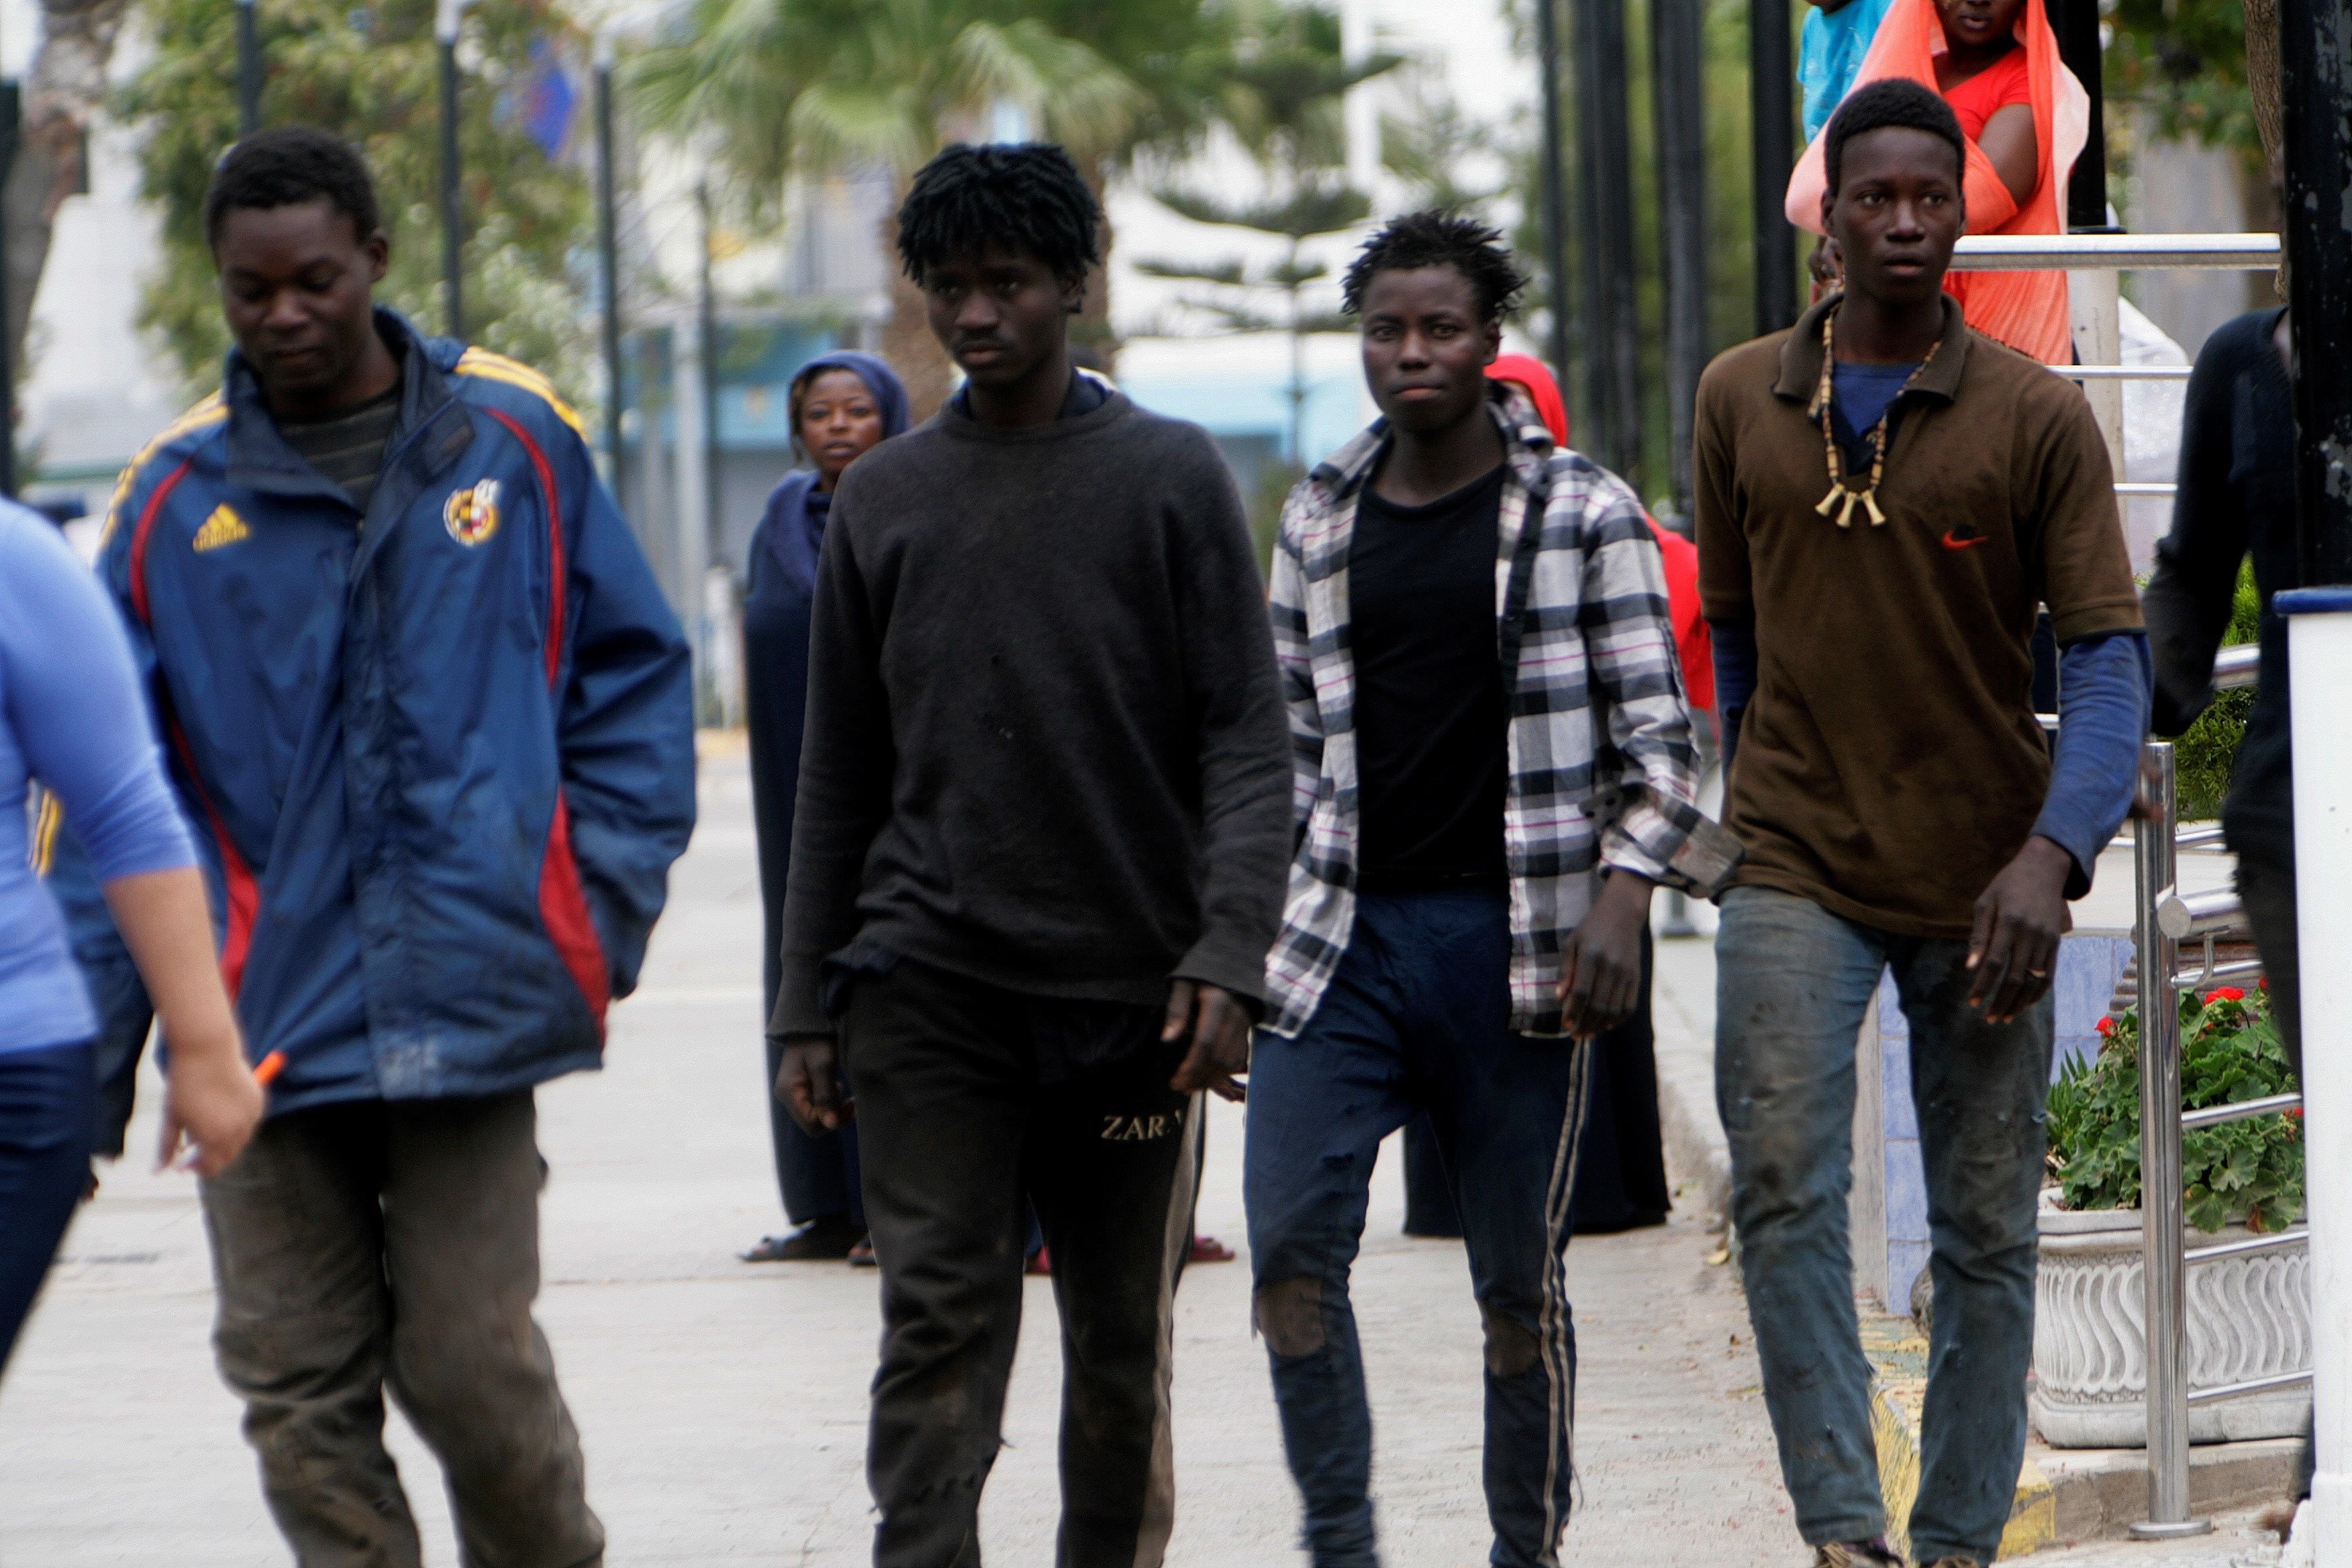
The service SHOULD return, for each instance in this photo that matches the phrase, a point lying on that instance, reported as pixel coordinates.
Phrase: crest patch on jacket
(472, 515)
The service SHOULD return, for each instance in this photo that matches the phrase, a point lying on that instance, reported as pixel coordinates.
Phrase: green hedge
(2203, 756)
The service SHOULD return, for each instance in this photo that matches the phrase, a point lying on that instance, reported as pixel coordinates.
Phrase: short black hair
(1438, 239)
(1026, 194)
(286, 165)
(1892, 101)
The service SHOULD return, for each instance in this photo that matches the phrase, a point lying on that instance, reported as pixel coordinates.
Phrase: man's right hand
(808, 1080)
(210, 1106)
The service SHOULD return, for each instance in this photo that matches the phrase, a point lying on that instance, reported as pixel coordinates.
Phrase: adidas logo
(223, 527)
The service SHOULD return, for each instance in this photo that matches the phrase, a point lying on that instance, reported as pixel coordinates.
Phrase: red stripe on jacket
(562, 902)
(139, 535)
(243, 890)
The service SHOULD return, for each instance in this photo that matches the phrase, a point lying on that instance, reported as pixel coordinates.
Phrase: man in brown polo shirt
(1874, 543)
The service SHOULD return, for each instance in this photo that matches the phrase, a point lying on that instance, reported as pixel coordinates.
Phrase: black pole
(452, 203)
(706, 308)
(248, 68)
(2315, 86)
(2077, 22)
(10, 124)
(608, 251)
(1678, 89)
(1772, 111)
(1554, 192)
(1604, 168)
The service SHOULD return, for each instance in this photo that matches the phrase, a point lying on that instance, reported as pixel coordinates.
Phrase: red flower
(2263, 985)
(2295, 1111)
(2225, 994)
(2106, 1028)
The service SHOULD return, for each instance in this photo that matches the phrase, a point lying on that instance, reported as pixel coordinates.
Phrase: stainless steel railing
(2168, 918)
(2100, 257)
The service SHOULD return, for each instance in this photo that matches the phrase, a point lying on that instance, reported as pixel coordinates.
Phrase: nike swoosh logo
(1952, 540)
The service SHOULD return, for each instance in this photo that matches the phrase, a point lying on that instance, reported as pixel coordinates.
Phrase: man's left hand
(1600, 966)
(1218, 1026)
(2020, 919)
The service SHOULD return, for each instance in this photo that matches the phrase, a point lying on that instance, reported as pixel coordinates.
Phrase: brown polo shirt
(1890, 763)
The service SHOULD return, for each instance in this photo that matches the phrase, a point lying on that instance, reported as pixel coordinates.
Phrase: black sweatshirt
(1045, 747)
(2237, 498)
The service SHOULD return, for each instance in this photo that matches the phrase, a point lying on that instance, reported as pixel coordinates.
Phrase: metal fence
(2167, 919)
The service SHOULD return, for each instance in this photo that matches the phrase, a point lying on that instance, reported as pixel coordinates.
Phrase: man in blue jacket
(432, 719)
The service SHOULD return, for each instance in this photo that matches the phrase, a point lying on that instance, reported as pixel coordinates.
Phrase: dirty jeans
(958, 1127)
(1793, 984)
(376, 1245)
(1417, 1017)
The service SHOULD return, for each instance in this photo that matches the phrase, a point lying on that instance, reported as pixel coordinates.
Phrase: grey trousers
(372, 1244)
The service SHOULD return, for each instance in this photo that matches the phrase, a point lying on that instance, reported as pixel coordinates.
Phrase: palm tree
(1281, 95)
(777, 88)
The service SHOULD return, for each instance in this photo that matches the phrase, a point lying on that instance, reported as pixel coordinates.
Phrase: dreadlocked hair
(1027, 195)
(1437, 238)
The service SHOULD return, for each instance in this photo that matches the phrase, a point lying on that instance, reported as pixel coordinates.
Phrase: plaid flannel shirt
(1602, 768)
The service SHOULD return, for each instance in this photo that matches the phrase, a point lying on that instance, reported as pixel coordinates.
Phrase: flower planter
(2247, 1317)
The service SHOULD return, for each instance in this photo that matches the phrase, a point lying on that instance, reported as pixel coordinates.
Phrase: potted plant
(2247, 1317)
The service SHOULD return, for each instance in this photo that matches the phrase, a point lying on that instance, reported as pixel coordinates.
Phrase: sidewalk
(724, 1404)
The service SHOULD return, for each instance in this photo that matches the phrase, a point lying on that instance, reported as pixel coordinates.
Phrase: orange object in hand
(266, 1071)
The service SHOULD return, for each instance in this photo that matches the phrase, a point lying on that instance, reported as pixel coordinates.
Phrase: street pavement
(722, 1403)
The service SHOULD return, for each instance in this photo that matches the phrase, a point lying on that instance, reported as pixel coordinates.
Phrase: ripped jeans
(1792, 983)
(1417, 1017)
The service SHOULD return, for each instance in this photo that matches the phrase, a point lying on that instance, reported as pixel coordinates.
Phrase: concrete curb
(2102, 1492)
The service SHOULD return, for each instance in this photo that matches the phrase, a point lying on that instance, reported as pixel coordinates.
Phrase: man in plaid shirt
(1493, 767)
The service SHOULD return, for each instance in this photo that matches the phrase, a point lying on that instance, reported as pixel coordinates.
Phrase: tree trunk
(906, 340)
(62, 91)
(1092, 332)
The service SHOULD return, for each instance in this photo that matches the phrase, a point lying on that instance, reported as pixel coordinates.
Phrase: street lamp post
(248, 68)
(2316, 83)
(1554, 192)
(1605, 213)
(608, 251)
(1772, 113)
(1678, 68)
(447, 14)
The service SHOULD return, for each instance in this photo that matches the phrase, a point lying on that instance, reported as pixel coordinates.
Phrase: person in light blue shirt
(1829, 51)
(72, 719)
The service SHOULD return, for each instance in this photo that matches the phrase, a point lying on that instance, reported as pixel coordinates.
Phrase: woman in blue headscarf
(843, 405)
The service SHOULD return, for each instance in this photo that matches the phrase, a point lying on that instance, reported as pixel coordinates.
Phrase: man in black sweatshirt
(1037, 861)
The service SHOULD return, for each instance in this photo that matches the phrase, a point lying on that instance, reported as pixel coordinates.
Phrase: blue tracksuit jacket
(440, 756)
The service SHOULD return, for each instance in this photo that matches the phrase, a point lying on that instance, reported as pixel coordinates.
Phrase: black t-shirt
(1432, 751)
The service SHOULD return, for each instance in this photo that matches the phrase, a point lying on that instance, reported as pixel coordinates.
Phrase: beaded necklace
(1839, 490)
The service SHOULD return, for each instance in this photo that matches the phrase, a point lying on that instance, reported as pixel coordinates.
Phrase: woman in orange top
(2026, 119)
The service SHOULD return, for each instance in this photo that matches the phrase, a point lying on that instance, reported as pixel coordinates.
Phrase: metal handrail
(2167, 918)
(2187, 915)
(2211, 974)
(2240, 665)
(2241, 1110)
(2112, 252)
(2270, 1385)
(2284, 1241)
